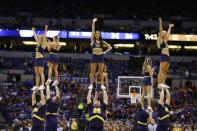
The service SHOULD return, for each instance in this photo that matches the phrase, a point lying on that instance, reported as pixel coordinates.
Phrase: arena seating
(17, 101)
(17, 72)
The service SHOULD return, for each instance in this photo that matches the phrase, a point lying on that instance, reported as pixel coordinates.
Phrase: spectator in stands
(187, 74)
(152, 126)
(16, 125)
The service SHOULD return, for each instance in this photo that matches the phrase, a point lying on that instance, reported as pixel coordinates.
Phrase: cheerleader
(147, 82)
(38, 113)
(53, 48)
(39, 59)
(165, 56)
(97, 55)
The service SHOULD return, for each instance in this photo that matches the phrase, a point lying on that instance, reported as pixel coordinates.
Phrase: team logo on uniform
(166, 109)
(97, 110)
(35, 110)
(98, 45)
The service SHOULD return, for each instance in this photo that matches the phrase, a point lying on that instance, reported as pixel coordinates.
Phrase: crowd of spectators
(16, 104)
(74, 67)
(71, 26)
(182, 106)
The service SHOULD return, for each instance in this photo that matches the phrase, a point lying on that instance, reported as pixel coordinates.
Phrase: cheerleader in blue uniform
(97, 111)
(38, 113)
(97, 55)
(163, 111)
(147, 81)
(142, 118)
(53, 48)
(165, 56)
(52, 105)
(39, 59)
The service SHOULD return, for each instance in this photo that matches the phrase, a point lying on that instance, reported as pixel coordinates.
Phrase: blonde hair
(147, 62)
(144, 67)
